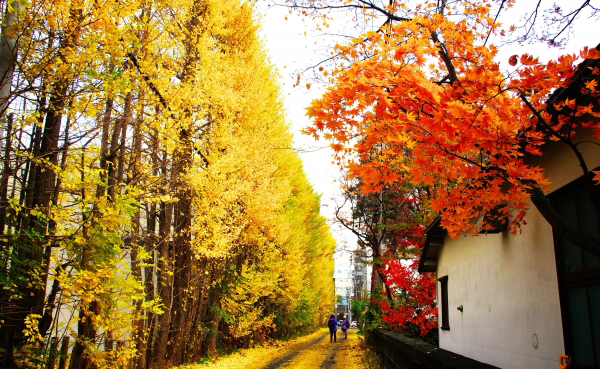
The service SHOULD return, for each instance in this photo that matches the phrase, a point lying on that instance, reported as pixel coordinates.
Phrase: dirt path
(319, 353)
(330, 360)
(310, 352)
(289, 358)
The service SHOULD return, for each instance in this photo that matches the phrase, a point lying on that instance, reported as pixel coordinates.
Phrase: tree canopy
(427, 95)
(153, 211)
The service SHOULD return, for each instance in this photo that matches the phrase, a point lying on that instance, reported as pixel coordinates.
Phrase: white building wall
(509, 293)
(508, 284)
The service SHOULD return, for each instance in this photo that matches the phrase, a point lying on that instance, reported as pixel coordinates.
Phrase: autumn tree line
(152, 211)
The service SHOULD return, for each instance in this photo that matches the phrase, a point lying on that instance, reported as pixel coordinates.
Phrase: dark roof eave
(433, 242)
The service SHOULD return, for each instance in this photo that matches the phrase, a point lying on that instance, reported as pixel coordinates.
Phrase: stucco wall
(508, 285)
(509, 292)
(569, 168)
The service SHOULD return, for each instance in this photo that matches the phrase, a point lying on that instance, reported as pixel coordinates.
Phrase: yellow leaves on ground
(352, 354)
(310, 351)
(344, 354)
(257, 357)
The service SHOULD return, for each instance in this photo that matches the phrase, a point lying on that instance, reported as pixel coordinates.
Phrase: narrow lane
(317, 354)
(287, 360)
(310, 352)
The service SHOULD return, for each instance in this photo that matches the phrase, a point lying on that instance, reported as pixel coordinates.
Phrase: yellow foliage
(162, 104)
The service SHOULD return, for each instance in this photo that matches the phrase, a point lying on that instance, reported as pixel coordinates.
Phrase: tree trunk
(8, 56)
(165, 281)
(42, 186)
(86, 332)
(182, 254)
(152, 275)
(115, 155)
(198, 311)
(213, 333)
(142, 324)
(6, 173)
(374, 277)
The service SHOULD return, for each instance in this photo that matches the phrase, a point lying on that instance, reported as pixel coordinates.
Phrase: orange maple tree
(427, 94)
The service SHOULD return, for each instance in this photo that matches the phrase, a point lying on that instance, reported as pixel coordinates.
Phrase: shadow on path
(276, 364)
(330, 359)
(329, 354)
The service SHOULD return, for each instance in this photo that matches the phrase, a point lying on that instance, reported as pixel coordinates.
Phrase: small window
(444, 302)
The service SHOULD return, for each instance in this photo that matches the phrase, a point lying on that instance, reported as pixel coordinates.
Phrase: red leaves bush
(413, 293)
(414, 297)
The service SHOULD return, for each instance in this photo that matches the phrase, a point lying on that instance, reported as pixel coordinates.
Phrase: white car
(353, 324)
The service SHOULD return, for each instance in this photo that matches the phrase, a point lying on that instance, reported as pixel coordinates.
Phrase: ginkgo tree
(151, 203)
(428, 88)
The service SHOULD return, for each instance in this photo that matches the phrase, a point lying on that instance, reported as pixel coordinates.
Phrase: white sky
(291, 51)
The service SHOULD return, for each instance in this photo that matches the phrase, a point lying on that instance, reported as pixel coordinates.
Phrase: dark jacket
(332, 324)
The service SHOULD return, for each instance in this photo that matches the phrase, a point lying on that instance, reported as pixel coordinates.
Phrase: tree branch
(162, 100)
(569, 21)
(445, 58)
(567, 141)
(495, 19)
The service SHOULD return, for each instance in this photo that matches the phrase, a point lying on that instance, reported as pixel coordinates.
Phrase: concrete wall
(396, 351)
(508, 285)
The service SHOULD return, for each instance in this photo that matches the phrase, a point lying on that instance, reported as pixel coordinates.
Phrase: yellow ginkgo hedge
(152, 209)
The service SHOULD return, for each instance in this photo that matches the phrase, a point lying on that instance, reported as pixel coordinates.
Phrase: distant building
(342, 275)
(361, 274)
(352, 279)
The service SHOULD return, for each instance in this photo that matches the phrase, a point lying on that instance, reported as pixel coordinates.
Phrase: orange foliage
(461, 127)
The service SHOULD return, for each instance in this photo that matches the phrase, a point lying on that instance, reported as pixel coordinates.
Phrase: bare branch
(495, 19)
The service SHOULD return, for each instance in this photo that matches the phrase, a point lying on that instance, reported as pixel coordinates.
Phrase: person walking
(345, 326)
(332, 324)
